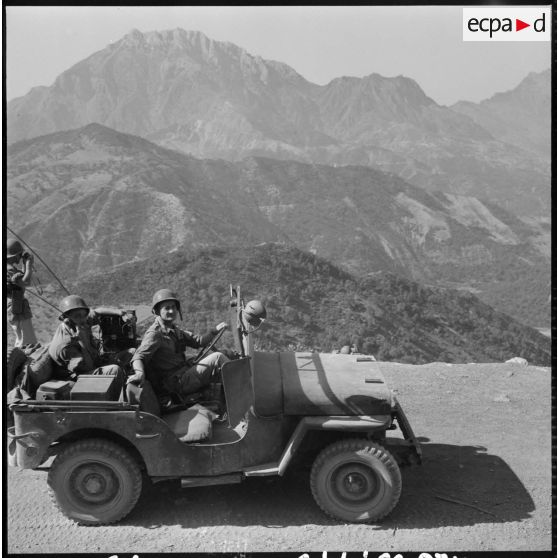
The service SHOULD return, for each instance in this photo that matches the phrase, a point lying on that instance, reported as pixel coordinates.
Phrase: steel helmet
(13, 248)
(254, 312)
(72, 302)
(161, 296)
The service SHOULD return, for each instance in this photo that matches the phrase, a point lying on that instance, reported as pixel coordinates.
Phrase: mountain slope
(188, 91)
(520, 117)
(397, 128)
(93, 198)
(313, 304)
(214, 100)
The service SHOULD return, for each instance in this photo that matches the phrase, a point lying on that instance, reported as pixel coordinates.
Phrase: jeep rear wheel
(95, 482)
(356, 481)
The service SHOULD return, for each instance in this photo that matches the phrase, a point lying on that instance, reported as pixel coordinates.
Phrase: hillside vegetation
(314, 305)
(93, 198)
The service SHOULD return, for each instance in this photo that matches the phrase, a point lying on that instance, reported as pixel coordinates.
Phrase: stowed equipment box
(94, 387)
(54, 390)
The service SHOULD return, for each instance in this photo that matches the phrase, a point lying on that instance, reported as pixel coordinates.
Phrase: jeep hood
(298, 383)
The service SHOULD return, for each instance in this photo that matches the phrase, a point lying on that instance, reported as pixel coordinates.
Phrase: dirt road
(485, 485)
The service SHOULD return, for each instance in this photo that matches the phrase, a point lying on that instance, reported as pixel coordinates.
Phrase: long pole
(44, 300)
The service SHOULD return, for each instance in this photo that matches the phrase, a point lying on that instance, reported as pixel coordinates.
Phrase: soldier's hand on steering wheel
(217, 334)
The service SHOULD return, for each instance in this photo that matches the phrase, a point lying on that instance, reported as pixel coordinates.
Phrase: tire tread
(351, 445)
(101, 445)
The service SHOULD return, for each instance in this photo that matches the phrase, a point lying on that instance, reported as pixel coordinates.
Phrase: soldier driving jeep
(161, 360)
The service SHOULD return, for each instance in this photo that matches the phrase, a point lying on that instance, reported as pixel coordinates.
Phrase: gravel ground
(485, 485)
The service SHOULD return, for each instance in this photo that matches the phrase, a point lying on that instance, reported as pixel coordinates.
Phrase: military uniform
(75, 351)
(167, 369)
(18, 309)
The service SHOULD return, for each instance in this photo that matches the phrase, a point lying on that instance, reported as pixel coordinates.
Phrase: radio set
(117, 334)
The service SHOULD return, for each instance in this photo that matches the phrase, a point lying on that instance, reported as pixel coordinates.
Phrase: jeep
(329, 411)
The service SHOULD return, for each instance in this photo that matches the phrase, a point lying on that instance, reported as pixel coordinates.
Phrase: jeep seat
(144, 397)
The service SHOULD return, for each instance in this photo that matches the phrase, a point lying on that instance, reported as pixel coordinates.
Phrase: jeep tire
(355, 480)
(95, 482)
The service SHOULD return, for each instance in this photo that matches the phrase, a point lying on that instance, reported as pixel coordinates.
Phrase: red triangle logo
(519, 25)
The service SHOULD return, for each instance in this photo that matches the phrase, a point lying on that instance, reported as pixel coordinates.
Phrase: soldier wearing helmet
(18, 309)
(73, 347)
(160, 358)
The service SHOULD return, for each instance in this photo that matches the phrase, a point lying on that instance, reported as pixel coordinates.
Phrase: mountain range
(184, 91)
(94, 199)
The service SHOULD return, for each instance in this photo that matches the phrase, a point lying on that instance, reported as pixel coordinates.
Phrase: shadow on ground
(455, 486)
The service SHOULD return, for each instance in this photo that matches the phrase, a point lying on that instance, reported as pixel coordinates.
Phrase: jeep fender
(333, 423)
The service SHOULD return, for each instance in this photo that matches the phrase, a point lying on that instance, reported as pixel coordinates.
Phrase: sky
(319, 42)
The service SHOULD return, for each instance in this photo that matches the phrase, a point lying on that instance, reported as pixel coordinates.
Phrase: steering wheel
(205, 350)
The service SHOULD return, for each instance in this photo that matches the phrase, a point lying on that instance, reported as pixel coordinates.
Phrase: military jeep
(328, 411)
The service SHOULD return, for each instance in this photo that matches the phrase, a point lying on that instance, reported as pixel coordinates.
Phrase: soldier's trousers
(197, 377)
(24, 332)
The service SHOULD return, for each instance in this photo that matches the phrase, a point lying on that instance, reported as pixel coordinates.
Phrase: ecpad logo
(507, 24)
(494, 24)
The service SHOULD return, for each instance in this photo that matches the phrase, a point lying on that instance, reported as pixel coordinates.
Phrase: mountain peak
(519, 116)
(173, 39)
(406, 86)
(388, 88)
(536, 80)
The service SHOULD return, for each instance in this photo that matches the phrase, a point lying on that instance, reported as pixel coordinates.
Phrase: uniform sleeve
(197, 341)
(73, 358)
(17, 279)
(149, 345)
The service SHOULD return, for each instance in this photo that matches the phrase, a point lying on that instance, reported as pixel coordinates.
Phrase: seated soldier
(73, 347)
(160, 358)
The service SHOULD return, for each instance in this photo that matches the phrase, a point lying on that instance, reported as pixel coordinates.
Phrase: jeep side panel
(40, 424)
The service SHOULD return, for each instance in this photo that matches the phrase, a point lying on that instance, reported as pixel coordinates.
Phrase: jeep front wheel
(356, 480)
(95, 482)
